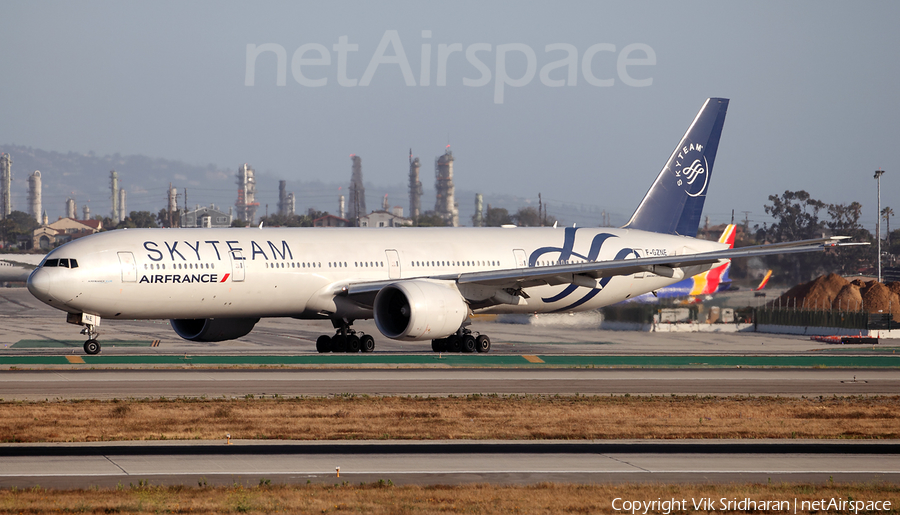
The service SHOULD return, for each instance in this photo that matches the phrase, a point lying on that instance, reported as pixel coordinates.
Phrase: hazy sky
(814, 89)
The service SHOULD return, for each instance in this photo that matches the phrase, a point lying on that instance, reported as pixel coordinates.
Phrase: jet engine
(213, 329)
(419, 310)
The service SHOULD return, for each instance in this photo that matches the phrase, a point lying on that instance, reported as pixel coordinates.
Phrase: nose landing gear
(90, 323)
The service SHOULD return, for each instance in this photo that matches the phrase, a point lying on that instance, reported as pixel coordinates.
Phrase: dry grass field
(472, 417)
(382, 498)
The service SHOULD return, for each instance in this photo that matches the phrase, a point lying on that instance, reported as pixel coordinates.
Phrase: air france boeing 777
(418, 284)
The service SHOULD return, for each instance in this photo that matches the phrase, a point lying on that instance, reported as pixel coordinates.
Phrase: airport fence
(644, 314)
(819, 318)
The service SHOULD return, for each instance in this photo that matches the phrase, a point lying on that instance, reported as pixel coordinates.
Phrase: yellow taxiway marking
(75, 359)
(533, 359)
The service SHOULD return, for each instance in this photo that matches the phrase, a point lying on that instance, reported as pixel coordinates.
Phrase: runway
(121, 384)
(547, 357)
(108, 465)
(32, 328)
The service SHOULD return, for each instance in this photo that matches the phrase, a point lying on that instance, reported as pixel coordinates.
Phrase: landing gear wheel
(454, 344)
(468, 343)
(483, 343)
(92, 347)
(367, 343)
(323, 344)
(439, 345)
(339, 343)
(353, 343)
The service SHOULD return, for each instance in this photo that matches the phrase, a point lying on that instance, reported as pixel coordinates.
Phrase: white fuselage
(294, 272)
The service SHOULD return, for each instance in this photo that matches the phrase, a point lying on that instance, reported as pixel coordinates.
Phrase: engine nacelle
(419, 310)
(213, 329)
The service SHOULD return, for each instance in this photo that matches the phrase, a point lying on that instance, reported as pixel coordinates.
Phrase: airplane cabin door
(237, 266)
(521, 260)
(393, 259)
(129, 269)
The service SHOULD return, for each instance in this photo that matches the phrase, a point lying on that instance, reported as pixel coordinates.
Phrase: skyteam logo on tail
(691, 170)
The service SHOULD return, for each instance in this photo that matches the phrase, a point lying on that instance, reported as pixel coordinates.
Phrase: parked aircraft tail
(716, 279)
(675, 201)
(765, 281)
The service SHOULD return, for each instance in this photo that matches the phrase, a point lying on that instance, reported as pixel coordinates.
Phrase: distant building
(384, 219)
(207, 217)
(331, 221)
(62, 231)
(44, 238)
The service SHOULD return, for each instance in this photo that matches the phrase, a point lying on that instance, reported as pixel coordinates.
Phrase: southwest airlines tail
(716, 279)
(765, 281)
(707, 283)
(675, 201)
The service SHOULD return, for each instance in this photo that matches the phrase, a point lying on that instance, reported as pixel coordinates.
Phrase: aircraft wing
(588, 274)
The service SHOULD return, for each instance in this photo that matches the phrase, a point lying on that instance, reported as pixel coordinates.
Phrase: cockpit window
(65, 263)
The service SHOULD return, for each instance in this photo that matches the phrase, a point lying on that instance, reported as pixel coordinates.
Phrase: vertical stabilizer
(675, 201)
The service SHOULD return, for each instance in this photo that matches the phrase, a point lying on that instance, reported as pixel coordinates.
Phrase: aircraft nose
(39, 284)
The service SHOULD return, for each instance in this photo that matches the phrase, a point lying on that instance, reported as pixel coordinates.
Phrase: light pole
(878, 174)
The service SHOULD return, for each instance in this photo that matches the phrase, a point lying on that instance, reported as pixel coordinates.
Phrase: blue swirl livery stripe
(624, 253)
(566, 252)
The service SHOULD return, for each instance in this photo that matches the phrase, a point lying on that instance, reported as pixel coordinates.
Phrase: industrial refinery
(351, 209)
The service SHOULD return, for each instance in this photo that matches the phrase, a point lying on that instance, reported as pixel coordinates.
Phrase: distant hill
(85, 177)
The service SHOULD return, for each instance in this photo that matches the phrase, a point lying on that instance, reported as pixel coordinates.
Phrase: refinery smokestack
(291, 204)
(478, 219)
(5, 185)
(282, 198)
(415, 187)
(246, 202)
(122, 209)
(341, 211)
(34, 195)
(357, 191)
(171, 204)
(70, 208)
(114, 190)
(445, 205)
(173, 196)
(384, 203)
(86, 212)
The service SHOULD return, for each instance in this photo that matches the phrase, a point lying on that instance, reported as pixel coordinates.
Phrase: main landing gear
(345, 339)
(463, 341)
